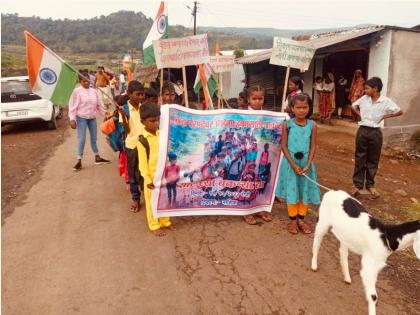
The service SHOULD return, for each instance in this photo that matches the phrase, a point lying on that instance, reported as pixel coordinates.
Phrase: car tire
(52, 124)
(60, 112)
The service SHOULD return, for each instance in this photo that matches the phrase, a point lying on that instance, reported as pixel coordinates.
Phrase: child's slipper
(135, 206)
(266, 216)
(374, 193)
(305, 228)
(292, 227)
(250, 219)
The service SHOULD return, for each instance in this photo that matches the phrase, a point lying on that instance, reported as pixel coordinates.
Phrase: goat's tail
(316, 183)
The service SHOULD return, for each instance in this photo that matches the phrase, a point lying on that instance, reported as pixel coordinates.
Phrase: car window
(16, 87)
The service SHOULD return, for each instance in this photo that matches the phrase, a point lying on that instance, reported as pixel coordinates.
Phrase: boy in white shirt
(372, 108)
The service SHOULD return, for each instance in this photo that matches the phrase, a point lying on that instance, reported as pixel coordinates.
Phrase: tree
(238, 52)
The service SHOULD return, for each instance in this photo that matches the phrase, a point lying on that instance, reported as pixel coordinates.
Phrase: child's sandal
(135, 206)
(292, 227)
(305, 228)
(266, 216)
(250, 219)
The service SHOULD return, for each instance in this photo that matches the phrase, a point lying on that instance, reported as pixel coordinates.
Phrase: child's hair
(318, 78)
(135, 86)
(83, 75)
(303, 97)
(298, 81)
(151, 92)
(168, 87)
(375, 82)
(255, 88)
(149, 110)
(122, 99)
(172, 156)
(242, 95)
(266, 146)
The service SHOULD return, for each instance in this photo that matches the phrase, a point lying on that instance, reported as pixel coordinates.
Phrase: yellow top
(148, 168)
(136, 127)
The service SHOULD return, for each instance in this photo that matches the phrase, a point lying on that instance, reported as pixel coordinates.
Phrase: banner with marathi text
(220, 162)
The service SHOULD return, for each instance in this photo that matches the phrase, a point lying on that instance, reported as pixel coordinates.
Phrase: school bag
(146, 146)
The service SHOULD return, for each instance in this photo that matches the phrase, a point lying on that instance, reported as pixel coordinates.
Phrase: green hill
(117, 32)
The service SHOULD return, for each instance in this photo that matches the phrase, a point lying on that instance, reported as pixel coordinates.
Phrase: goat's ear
(416, 244)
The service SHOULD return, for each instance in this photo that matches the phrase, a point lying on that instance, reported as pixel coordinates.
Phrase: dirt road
(72, 247)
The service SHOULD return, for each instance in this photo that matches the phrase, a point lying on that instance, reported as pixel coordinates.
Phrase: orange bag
(108, 126)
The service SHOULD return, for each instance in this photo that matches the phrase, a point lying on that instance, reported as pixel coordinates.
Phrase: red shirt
(172, 173)
(264, 158)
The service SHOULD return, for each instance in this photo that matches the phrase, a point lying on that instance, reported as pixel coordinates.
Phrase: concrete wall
(379, 59)
(403, 86)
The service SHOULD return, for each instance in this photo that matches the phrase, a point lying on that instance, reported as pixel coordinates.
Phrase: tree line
(116, 32)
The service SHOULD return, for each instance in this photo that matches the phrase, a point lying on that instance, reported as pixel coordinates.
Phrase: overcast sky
(258, 13)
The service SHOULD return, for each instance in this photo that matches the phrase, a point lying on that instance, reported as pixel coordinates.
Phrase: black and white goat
(363, 234)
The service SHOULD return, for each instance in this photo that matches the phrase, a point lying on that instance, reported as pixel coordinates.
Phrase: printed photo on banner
(222, 162)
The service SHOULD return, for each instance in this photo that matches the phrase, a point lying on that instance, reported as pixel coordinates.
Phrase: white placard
(183, 51)
(291, 53)
(221, 64)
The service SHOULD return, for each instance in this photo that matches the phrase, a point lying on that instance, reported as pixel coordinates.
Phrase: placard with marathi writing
(221, 64)
(295, 54)
(183, 51)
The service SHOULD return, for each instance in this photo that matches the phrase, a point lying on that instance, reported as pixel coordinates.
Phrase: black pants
(171, 187)
(134, 173)
(367, 155)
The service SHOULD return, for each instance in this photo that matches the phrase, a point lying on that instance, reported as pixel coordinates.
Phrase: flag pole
(161, 82)
(286, 79)
(184, 78)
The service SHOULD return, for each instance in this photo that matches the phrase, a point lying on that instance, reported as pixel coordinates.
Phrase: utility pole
(194, 13)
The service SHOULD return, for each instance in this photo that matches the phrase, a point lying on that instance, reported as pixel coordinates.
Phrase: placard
(146, 73)
(290, 53)
(221, 64)
(183, 51)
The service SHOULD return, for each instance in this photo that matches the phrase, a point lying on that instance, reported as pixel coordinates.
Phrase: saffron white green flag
(205, 73)
(159, 30)
(49, 76)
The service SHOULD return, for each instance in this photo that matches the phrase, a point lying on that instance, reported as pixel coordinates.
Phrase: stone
(401, 192)
(393, 161)
(414, 200)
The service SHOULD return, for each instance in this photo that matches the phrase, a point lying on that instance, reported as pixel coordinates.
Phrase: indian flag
(159, 30)
(205, 78)
(49, 76)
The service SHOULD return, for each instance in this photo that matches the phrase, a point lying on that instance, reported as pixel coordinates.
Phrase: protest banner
(179, 52)
(146, 73)
(291, 54)
(221, 63)
(221, 162)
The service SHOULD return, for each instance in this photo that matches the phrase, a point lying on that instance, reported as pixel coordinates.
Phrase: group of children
(138, 124)
(233, 155)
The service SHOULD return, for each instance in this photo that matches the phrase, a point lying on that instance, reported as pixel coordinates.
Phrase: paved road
(73, 247)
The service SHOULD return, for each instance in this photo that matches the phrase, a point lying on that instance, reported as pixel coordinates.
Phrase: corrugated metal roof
(317, 41)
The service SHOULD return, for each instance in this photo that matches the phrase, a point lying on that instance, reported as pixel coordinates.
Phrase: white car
(19, 104)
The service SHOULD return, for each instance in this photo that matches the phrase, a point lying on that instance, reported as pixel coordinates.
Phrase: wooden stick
(161, 83)
(184, 78)
(218, 92)
(286, 79)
